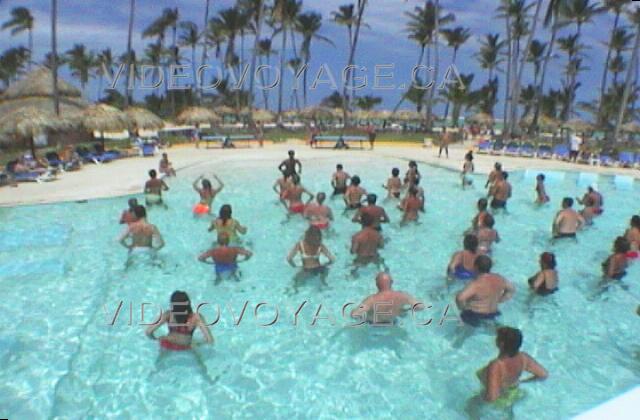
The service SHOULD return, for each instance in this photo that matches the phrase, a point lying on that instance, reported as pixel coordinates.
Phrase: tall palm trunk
(282, 72)
(132, 8)
(543, 73)
(518, 85)
(628, 83)
(507, 85)
(254, 55)
(205, 45)
(54, 54)
(30, 49)
(605, 73)
(419, 62)
(436, 68)
(446, 108)
(362, 4)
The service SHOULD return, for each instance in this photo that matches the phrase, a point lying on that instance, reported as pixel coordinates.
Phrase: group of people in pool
(478, 301)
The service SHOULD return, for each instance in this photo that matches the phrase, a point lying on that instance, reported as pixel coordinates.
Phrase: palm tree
(229, 22)
(205, 45)
(265, 50)
(367, 102)
(129, 53)
(308, 25)
(190, 37)
(284, 14)
(455, 39)
(490, 53)
(12, 63)
(634, 18)
(54, 55)
(423, 25)
(104, 65)
(617, 7)
(21, 20)
(81, 62)
(536, 57)
(459, 96)
(620, 40)
(255, 10)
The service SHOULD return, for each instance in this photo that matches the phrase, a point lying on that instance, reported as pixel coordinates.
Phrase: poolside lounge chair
(148, 150)
(527, 150)
(90, 157)
(512, 149)
(626, 159)
(561, 152)
(484, 147)
(544, 152)
(588, 158)
(498, 148)
(606, 160)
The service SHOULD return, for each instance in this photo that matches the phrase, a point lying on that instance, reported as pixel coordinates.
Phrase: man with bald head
(382, 308)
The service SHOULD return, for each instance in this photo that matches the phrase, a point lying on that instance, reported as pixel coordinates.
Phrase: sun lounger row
(560, 152)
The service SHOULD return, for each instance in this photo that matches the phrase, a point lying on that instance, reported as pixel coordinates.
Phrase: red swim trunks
(168, 345)
(296, 208)
(320, 225)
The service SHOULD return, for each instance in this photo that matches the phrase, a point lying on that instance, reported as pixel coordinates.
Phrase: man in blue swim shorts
(225, 258)
(479, 300)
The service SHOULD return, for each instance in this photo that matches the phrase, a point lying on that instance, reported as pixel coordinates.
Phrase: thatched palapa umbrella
(406, 115)
(481, 118)
(30, 122)
(198, 115)
(317, 113)
(631, 127)
(578, 125)
(143, 119)
(103, 118)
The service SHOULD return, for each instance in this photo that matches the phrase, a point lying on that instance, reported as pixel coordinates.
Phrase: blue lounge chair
(148, 150)
(527, 150)
(545, 152)
(484, 147)
(561, 152)
(626, 159)
(512, 149)
(497, 149)
(606, 160)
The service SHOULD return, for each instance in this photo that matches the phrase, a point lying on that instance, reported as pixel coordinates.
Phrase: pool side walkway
(127, 176)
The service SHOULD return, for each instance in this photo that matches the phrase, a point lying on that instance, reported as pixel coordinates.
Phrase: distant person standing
(153, 189)
(567, 221)
(575, 142)
(195, 135)
(445, 139)
(467, 170)
(371, 132)
(500, 191)
(291, 166)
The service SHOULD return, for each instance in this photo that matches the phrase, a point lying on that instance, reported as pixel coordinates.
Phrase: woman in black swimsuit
(545, 282)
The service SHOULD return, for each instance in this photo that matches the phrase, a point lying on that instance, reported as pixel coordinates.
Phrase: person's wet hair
(488, 221)
(140, 212)
(339, 166)
(471, 243)
(320, 197)
(505, 175)
(413, 164)
(541, 177)
(548, 260)
(413, 191)
(355, 180)
(483, 203)
(395, 172)
(567, 202)
(164, 155)
(509, 340)
(206, 184)
(225, 213)
(635, 221)
(590, 189)
(483, 264)
(498, 166)
(291, 153)
(366, 220)
(621, 245)
(153, 173)
(180, 308)
(133, 202)
(371, 199)
(469, 156)
(313, 236)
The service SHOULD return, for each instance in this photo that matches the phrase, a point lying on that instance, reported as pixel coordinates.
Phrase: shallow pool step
(13, 239)
(623, 182)
(587, 178)
(21, 269)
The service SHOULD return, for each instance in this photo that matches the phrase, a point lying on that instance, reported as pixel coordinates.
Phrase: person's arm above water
(152, 328)
(292, 254)
(123, 239)
(220, 183)
(204, 329)
(158, 239)
(509, 291)
(533, 367)
(241, 229)
(195, 184)
(356, 216)
(245, 253)
(453, 263)
(355, 244)
(465, 295)
(213, 226)
(282, 166)
(581, 222)
(361, 311)
(205, 256)
(165, 187)
(299, 165)
(385, 217)
(324, 251)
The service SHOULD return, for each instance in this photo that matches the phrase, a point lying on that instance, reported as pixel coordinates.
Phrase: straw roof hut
(198, 115)
(406, 115)
(317, 113)
(481, 118)
(35, 91)
(103, 118)
(30, 122)
(225, 110)
(263, 115)
(545, 122)
(579, 125)
(143, 119)
(383, 115)
(631, 127)
(363, 115)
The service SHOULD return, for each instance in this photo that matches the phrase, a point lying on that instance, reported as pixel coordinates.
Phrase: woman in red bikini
(182, 322)
(294, 196)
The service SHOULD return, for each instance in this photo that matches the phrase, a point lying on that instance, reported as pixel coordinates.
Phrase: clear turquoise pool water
(62, 276)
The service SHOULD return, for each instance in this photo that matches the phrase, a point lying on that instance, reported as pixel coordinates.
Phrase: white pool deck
(622, 407)
(126, 176)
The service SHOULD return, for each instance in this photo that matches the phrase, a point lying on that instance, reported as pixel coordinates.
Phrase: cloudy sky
(101, 24)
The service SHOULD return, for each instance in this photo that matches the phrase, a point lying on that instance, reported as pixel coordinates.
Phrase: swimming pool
(63, 277)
